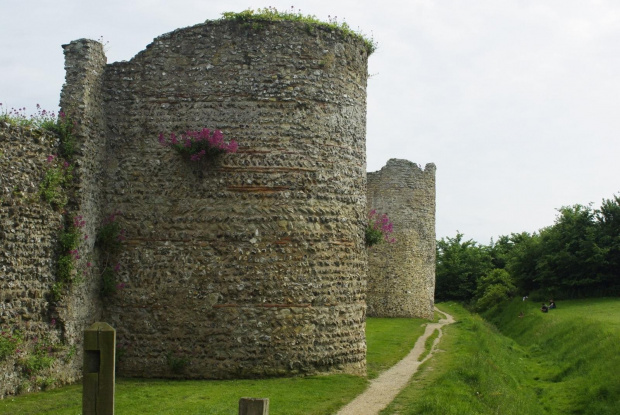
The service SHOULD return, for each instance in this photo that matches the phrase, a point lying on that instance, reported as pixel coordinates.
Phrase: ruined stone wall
(401, 276)
(252, 265)
(81, 100)
(28, 236)
(30, 228)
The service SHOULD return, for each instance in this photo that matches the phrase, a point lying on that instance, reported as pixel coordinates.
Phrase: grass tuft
(254, 19)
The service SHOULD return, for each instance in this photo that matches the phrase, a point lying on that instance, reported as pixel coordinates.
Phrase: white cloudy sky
(515, 101)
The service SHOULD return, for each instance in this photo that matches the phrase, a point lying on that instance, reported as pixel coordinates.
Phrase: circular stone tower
(252, 264)
(401, 276)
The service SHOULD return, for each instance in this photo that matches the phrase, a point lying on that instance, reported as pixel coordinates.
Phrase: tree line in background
(578, 256)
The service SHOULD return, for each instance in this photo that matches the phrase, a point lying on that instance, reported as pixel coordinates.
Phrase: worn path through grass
(386, 387)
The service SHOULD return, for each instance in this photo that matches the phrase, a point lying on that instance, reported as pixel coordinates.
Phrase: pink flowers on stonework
(379, 229)
(199, 145)
(79, 222)
(20, 116)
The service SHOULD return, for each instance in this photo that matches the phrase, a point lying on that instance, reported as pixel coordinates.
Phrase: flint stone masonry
(249, 265)
(401, 276)
(29, 230)
(252, 264)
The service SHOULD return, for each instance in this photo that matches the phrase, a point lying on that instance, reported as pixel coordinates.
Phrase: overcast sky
(515, 101)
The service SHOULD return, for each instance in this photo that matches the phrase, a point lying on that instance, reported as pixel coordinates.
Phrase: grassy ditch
(389, 340)
(562, 362)
(574, 351)
(475, 371)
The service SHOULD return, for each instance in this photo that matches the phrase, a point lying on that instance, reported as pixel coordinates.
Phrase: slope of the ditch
(475, 371)
(574, 351)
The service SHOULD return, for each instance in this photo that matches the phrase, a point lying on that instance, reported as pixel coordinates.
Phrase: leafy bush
(42, 357)
(9, 342)
(493, 289)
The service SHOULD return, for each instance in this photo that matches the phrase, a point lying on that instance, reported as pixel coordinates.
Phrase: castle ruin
(401, 275)
(251, 265)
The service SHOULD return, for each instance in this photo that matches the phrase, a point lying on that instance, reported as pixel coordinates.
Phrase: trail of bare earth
(384, 389)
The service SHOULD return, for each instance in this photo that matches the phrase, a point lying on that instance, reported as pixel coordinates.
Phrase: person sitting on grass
(544, 308)
(551, 304)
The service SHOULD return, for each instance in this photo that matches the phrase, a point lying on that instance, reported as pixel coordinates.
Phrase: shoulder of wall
(239, 31)
(404, 167)
(36, 134)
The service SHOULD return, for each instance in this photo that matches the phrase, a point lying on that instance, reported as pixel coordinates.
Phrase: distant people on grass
(544, 308)
(551, 304)
(525, 298)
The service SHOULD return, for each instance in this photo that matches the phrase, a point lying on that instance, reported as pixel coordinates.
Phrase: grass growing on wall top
(271, 14)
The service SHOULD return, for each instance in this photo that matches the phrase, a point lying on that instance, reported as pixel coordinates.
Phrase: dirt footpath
(384, 389)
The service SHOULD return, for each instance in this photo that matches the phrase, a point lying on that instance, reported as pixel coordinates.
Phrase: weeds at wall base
(176, 362)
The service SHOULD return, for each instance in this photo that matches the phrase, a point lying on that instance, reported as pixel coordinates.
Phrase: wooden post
(98, 370)
(254, 406)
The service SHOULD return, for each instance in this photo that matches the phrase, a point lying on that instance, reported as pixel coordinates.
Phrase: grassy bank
(389, 340)
(562, 362)
(475, 371)
(574, 351)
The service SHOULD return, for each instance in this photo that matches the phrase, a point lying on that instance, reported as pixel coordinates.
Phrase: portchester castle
(251, 265)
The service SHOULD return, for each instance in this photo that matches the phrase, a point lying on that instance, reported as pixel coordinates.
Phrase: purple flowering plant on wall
(19, 117)
(379, 229)
(62, 125)
(200, 144)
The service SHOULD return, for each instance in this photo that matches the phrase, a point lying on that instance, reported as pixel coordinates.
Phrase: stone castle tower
(253, 265)
(401, 276)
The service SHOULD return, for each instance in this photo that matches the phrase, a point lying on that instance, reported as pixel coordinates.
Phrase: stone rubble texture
(252, 264)
(401, 275)
(249, 265)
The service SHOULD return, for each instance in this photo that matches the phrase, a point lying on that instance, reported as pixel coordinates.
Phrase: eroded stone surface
(252, 265)
(401, 276)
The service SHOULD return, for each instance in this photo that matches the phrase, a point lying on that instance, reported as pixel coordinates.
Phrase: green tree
(494, 288)
(571, 258)
(608, 221)
(522, 263)
(459, 265)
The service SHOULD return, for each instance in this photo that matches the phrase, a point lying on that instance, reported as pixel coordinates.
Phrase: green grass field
(389, 340)
(562, 362)
(574, 351)
(475, 371)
